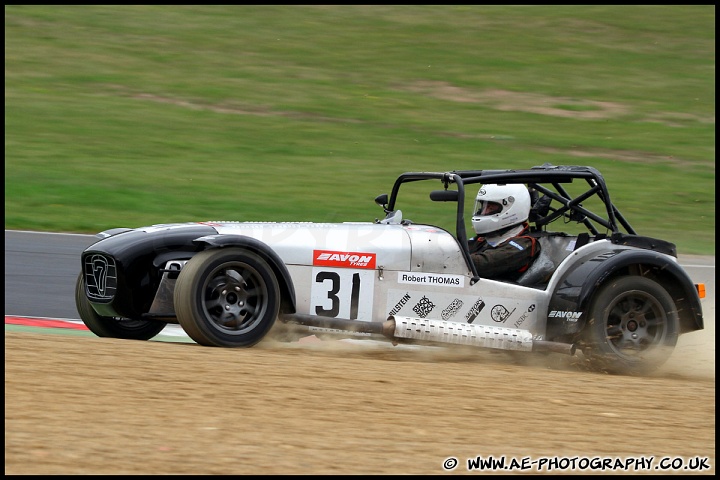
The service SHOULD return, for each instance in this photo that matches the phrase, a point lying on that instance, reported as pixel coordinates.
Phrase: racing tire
(113, 327)
(632, 328)
(227, 297)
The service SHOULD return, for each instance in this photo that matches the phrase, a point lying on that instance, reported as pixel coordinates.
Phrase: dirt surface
(86, 405)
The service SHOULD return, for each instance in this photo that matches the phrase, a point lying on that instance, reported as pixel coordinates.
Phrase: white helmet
(500, 206)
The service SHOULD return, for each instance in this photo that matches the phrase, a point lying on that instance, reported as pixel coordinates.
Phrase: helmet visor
(484, 207)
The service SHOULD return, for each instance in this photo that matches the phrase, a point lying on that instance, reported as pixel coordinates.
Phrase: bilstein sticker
(327, 258)
(434, 279)
(399, 305)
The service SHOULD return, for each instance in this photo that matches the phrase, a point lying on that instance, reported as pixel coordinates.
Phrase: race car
(596, 288)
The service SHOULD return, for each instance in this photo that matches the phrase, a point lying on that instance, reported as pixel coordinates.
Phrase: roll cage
(561, 204)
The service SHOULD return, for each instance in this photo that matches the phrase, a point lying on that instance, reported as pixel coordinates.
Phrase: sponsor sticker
(400, 304)
(475, 310)
(520, 320)
(423, 307)
(452, 309)
(328, 258)
(570, 316)
(499, 313)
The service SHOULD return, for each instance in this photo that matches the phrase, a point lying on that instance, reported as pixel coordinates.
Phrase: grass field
(127, 116)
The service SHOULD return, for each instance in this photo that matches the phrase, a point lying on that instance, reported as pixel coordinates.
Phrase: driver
(502, 250)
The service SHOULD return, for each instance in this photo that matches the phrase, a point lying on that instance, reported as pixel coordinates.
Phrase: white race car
(621, 298)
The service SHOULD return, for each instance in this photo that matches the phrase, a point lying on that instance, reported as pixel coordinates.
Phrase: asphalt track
(41, 269)
(40, 273)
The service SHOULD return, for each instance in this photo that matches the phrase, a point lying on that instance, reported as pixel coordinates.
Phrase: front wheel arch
(287, 287)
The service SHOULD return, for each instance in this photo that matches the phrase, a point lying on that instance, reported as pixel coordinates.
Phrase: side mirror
(382, 200)
(444, 196)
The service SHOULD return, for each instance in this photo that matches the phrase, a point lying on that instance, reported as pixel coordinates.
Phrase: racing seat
(554, 247)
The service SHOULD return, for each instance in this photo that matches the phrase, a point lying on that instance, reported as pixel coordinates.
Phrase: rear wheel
(632, 327)
(227, 297)
(113, 327)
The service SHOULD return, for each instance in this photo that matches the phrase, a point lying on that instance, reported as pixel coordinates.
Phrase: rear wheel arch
(666, 273)
(577, 288)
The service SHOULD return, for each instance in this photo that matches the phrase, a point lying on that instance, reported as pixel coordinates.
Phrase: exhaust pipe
(423, 330)
(486, 336)
(557, 347)
(377, 328)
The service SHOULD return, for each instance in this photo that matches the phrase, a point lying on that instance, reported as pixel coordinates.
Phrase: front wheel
(227, 297)
(632, 328)
(112, 327)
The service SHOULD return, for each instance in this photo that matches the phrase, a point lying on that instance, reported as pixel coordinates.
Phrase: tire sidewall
(111, 327)
(189, 298)
(603, 355)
